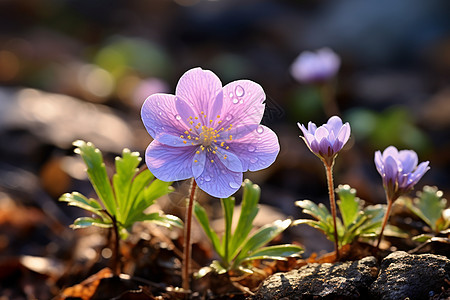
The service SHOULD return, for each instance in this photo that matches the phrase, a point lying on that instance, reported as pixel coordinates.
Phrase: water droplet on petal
(235, 101)
(224, 172)
(260, 129)
(251, 148)
(231, 95)
(207, 178)
(178, 117)
(163, 128)
(253, 160)
(229, 117)
(234, 185)
(239, 91)
(242, 101)
(160, 113)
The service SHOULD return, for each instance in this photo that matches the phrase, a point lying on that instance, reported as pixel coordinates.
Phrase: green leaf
(218, 267)
(249, 210)
(136, 195)
(228, 207)
(97, 174)
(277, 252)
(126, 169)
(429, 206)
(78, 200)
(84, 222)
(202, 218)
(261, 237)
(349, 204)
(422, 238)
(161, 219)
(320, 212)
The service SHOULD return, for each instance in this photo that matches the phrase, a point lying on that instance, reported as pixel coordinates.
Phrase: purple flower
(399, 170)
(313, 67)
(208, 132)
(327, 140)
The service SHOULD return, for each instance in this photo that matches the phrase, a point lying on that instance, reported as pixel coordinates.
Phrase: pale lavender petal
(185, 112)
(334, 124)
(408, 160)
(321, 134)
(325, 149)
(159, 115)
(344, 133)
(391, 169)
(169, 163)
(309, 138)
(230, 160)
(199, 89)
(312, 127)
(242, 103)
(258, 150)
(390, 151)
(237, 132)
(217, 180)
(315, 146)
(419, 172)
(379, 163)
(198, 162)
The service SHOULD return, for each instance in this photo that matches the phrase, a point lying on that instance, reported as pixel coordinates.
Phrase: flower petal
(217, 180)
(257, 150)
(379, 163)
(391, 169)
(169, 163)
(242, 103)
(159, 115)
(390, 151)
(408, 159)
(198, 163)
(230, 160)
(199, 88)
(334, 124)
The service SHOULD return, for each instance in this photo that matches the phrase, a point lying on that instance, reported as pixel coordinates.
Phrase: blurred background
(78, 69)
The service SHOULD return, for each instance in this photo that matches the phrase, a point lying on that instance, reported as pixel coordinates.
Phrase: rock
(403, 275)
(348, 280)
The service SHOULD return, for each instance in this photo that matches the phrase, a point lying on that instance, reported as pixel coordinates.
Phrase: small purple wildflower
(315, 67)
(327, 140)
(399, 170)
(208, 132)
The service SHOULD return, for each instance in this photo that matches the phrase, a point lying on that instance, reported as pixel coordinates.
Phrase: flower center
(209, 135)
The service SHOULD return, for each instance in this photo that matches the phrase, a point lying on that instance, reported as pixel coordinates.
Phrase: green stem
(329, 171)
(385, 220)
(187, 238)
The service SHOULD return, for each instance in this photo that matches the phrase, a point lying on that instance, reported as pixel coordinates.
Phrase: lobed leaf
(79, 200)
(97, 174)
(126, 169)
(84, 222)
(349, 204)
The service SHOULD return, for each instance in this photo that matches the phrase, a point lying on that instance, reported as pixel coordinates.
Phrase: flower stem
(187, 238)
(385, 220)
(329, 171)
(327, 93)
(116, 264)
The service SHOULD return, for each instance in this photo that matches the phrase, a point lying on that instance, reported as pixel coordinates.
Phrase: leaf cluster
(430, 207)
(238, 248)
(124, 201)
(356, 220)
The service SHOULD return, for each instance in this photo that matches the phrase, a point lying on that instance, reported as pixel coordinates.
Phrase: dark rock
(403, 275)
(346, 280)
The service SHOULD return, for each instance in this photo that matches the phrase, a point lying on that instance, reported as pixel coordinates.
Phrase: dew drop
(229, 117)
(251, 148)
(235, 101)
(178, 117)
(260, 130)
(224, 172)
(160, 113)
(207, 178)
(231, 95)
(239, 91)
(242, 101)
(234, 185)
(253, 160)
